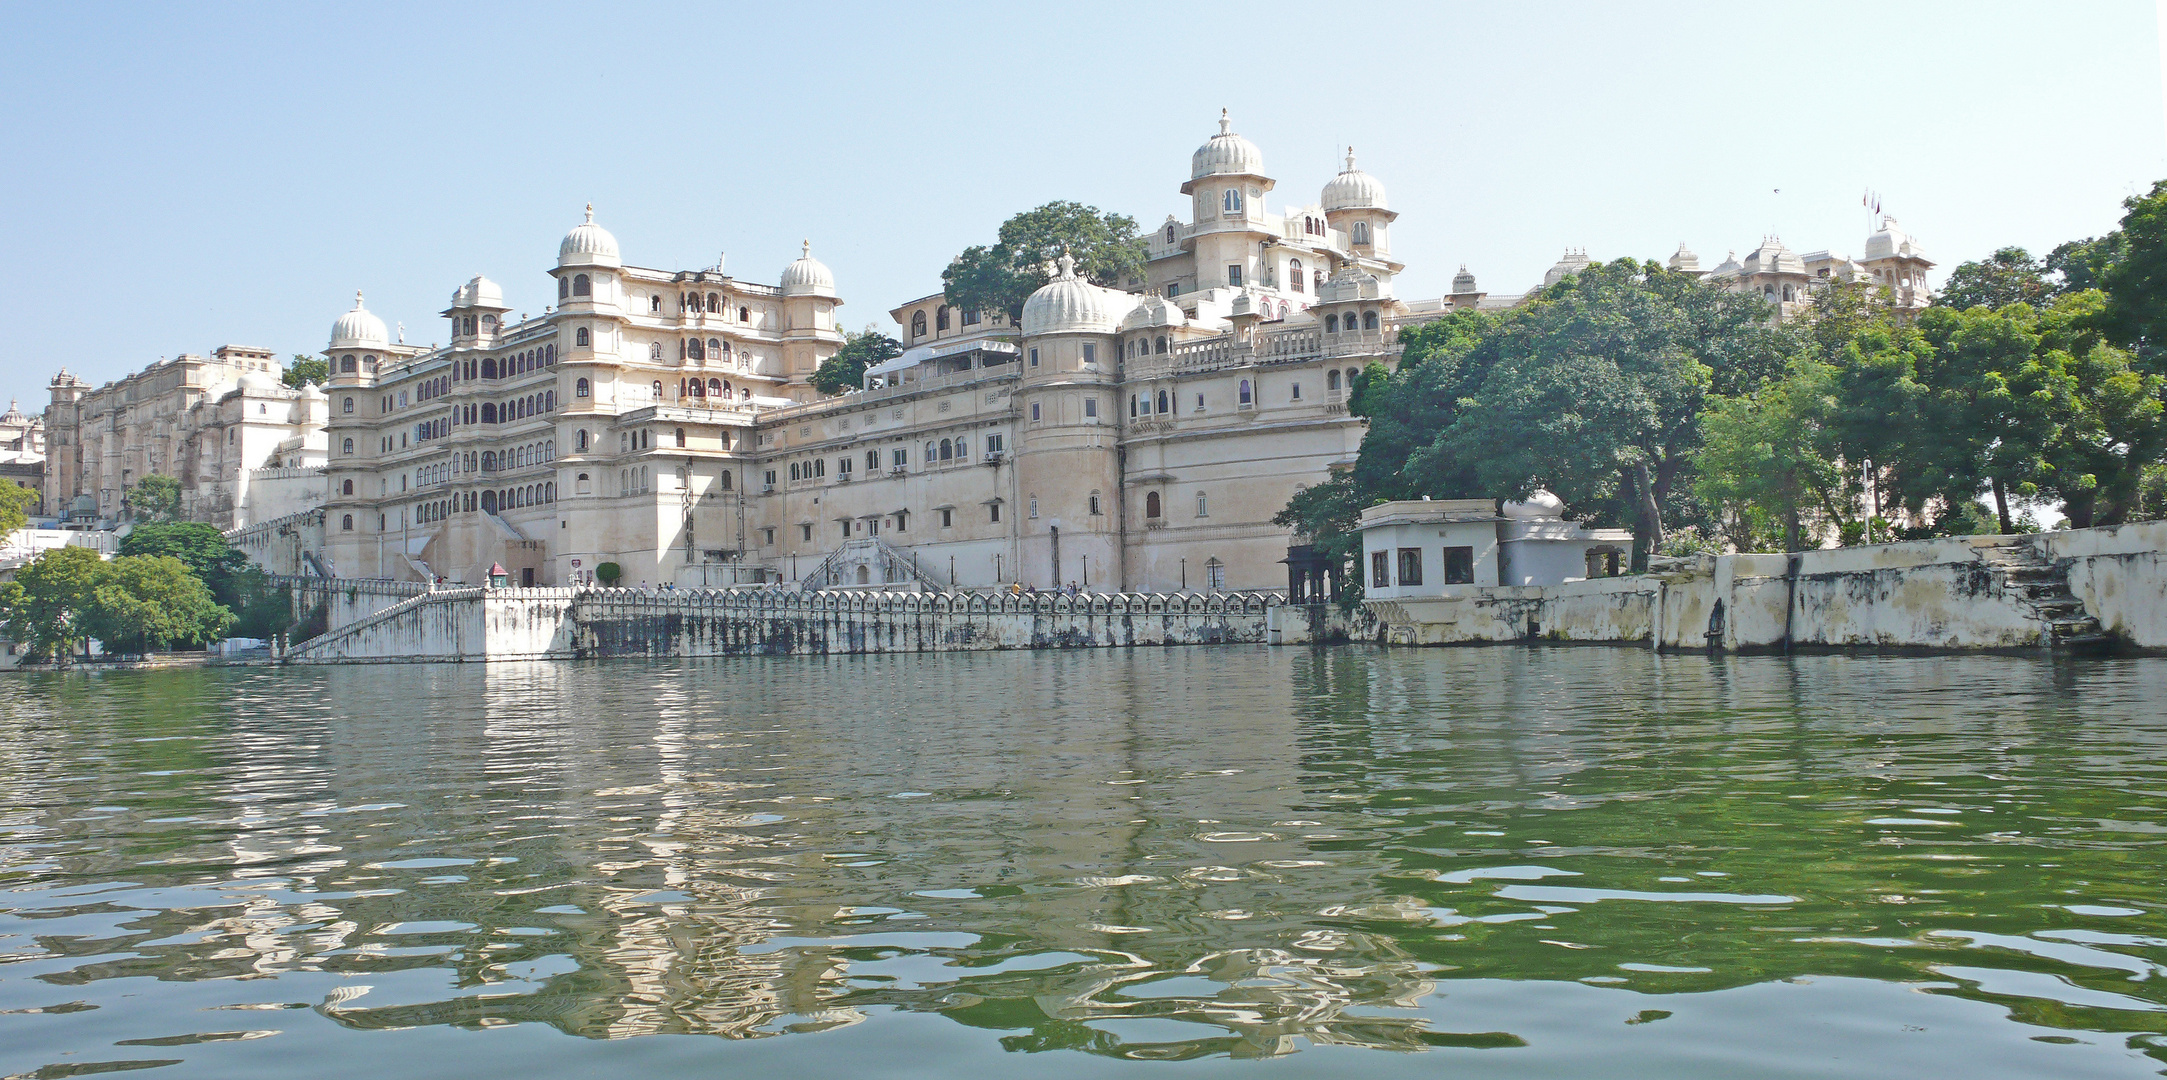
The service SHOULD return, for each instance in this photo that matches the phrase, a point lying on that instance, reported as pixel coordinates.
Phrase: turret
(1067, 465)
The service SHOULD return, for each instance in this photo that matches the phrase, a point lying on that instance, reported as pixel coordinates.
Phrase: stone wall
(2121, 575)
(527, 624)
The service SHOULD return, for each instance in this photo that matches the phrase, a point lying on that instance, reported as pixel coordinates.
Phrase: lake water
(1498, 862)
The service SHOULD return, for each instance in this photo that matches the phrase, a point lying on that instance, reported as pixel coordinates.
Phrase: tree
(2009, 276)
(845, 371)
(155, 498)
(219, 565)
(1000, 278)
(1767, 460)
(15, 503)
(145, 602)
(47, 606)
(2132, 271)
(303, 370)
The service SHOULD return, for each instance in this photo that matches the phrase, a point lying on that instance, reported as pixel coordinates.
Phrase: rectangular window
(1034, 357)
(806, 531)
(1297, 396)
(770, 478)
(1173, 288)
(1091, 353)
(901, 457)
(769, 537)
(1234, 275)
(846, 530)
(1203, 505)
(1091, 407)
(993, 444)
(1034, 412)
(970, 318)
(1459, 566)
(1200, 403)
(948, 518)
(1380, 569)
(996, 509)
(1410, 566)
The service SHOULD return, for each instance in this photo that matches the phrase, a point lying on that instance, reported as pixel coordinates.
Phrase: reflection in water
(1498, 853)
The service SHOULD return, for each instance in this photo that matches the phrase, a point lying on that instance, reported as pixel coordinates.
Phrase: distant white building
(1423, 548)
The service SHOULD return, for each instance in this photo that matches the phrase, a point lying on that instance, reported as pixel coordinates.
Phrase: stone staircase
(887, 569)
(2038, 584)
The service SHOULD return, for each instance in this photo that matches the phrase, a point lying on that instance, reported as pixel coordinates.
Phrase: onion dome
(357, 329)
(1684, 261)
(1463, 282)
(314, 390)
(1354, 189)
(1728, 268)
(260, 384)
(1539, 505)
(14, 415)
(1891, 243)
(588, 244)
(1773, 258)
(1153, 311)
(808, 276)
(1226, 154)
(1067, 305)
(480, 292)
(1574, 261)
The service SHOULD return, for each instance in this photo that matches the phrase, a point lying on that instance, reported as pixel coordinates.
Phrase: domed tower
(589, 291)
(1227, 182)
(809, 333)
(1067, 468)
(1898, 263)
(476, 313)
(1354, 204)
(357, 344)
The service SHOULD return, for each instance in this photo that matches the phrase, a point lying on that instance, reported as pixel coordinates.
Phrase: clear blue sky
(187, 175)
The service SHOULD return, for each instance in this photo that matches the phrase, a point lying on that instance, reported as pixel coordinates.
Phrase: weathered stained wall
(2121, 575)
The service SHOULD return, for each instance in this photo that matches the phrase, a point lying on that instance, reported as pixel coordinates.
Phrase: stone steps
(2044, 588)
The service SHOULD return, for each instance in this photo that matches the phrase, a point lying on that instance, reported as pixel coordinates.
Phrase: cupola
(1067, 305)
(358, 329)
(588, 244)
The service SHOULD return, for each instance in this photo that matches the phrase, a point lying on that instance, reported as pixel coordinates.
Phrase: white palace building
(664, 420)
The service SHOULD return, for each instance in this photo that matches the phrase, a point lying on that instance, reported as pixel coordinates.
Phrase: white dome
(1684, 261)
(480, 292)
(1153, 311)
(1891, 242)
(313, 390)
(1354, 189)
(259, 383)
(1463, 282)
(808, 276)
(1226, 154)
(1773, 258)
(1067, 305)
(588, 244)
(1575, 260)
(357, 329)
(1540, 504)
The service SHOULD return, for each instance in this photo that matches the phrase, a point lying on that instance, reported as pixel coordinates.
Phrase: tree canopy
(303, 370)
(1000, 278)
(132, 604)
(845, 371)
(155, 498)
(15, 503)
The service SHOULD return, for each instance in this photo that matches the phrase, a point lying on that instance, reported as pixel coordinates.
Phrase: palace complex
(665, 421)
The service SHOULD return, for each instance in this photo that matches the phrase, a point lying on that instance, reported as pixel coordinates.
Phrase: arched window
(1163, 402)
(1294, 274)
(963, 449)
(564, 286)
(349, 446)
(1151, 505)
(1361, 232)
(714, 345)
(1331, 324)
(695, 388)
(654, 303)
(580, 338)
(1169, 232)
(654, 351)
(346, 522)
(346, 365)
(948, 450)
(658, 390)
(744, 314)
(489, 412)
(715, 388)
(1369, 320)
(580, 287)
(579, 440)
(1331, 379)
(695, 349)
(1160, 344)
(793, 470)
(583, 485)
(1231, 202)
(917, 324)
(714, 303)
(579, 389)
(1790, 292)
(1095, 504)
(489, 502)
(346, 487)
(931, 453)
(489, 461)
(1248, 393)
(940, 318)
(489, 368)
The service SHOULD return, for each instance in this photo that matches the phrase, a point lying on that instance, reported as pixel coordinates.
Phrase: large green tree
(2132, 270)
(219, 565)
(155, 498)
(1768, 462)
(46, 608)
(2009, 276)
(303, 370)
(1001, 277)
(145, 602)
(845, 371)
(15, 503)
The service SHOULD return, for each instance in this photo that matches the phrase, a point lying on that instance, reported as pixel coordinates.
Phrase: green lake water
(1497, 862)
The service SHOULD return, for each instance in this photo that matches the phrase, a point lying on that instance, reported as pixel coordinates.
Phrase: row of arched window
(517, 364)
(1333, 323)
(347, 365)
(691, 301)
(1154, 508)
(514, 409)
(712, 388)
(576, 285)
(537, 494)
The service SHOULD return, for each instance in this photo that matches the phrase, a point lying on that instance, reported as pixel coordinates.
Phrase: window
(1247, 394)
(580, 338)
(1331, 379)
(1091, 406)
(714, 345)
(1361, 232)
(995, 512)
(658, 389)
(805, 532)
(1459, 566)
(1331, 324)
(694, 350)
(680, 437)
(346, 365)
(346, 487)
(1034, 357)
(579, 389)
(1173, 289)
(767, 536)
(580, 287)
(1151, 504)
(564, 288)
(744, 314)
(1410, 566)
(1380, 569)
(714, 303)
(349, 446)
(1034, 506)
(654, 304)
(1231, 201)
(994, 442)
(970, 318)
(1294, 274)
(917, 324)
(1296, 395)
(940, 318)
(1132, 405)
(1215, 574)
(1160, 345)
(1369, 320)
(1169, 231)
(1091, 353)
(1034, 412)
(948, 450)
(872, 461)
(349, 406)
(948, 517)
(1094, 504)
(1234, 275)
(1203, 505)
(901, 457)
(346, 522)
(715, 388)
